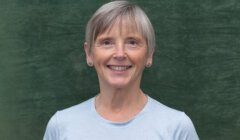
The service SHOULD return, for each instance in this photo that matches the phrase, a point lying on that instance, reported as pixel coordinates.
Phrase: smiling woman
(119, 56)
(119, 44)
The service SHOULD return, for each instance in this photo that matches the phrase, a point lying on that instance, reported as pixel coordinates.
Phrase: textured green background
(196, 65)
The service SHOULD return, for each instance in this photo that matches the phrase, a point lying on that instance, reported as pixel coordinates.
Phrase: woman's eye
(106, 42)
(132, 43)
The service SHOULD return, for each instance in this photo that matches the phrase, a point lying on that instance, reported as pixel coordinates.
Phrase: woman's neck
(120, 105)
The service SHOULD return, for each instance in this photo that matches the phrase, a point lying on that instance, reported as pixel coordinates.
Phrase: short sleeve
(52, 132)
(185, 130)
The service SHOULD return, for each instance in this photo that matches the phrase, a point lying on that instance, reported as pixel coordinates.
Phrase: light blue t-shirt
(155, 122)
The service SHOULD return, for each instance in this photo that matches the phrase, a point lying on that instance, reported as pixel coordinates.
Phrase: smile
(119, 68)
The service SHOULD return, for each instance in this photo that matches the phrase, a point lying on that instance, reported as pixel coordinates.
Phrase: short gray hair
(107, 14)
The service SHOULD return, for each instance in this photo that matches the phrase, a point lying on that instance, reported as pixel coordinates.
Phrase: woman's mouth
(119, 68)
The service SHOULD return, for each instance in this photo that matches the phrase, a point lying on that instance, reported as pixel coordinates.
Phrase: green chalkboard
(196, 64)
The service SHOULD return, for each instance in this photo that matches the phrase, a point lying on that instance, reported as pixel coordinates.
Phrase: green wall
(196, 64)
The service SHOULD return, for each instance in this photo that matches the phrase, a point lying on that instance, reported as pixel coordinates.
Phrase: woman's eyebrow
(134, 37)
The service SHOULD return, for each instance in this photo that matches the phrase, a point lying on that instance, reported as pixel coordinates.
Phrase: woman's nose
(119, 53)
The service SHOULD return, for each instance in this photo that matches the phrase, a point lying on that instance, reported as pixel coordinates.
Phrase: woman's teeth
(119, 68)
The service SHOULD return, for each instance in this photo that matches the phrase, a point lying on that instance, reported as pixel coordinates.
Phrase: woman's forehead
(123, 25)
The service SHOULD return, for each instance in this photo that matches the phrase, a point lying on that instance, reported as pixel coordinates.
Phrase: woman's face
(119, 56)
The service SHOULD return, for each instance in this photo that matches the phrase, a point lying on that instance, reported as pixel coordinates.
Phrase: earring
(148, 65)
(90, 64)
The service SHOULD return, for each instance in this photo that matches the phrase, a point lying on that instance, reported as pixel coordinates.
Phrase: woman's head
(119, 43)
(117, 11)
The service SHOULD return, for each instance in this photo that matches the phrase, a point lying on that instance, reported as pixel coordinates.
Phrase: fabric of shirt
(155, 122)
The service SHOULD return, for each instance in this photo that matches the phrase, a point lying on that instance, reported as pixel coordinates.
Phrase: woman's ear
(88, 53)
(150, 58)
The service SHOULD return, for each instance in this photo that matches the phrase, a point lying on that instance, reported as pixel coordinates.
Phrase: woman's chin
(120, 84)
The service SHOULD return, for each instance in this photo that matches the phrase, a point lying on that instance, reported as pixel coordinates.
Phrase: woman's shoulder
(68, 118)
(175, 122)
(80, 110)
(167, 114)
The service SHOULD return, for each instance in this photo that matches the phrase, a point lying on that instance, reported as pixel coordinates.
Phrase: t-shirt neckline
(119, 124)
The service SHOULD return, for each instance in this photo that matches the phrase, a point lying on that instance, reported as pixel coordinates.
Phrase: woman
(119, 44)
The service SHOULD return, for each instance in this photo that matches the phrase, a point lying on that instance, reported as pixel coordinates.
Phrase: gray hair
(107, 15)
